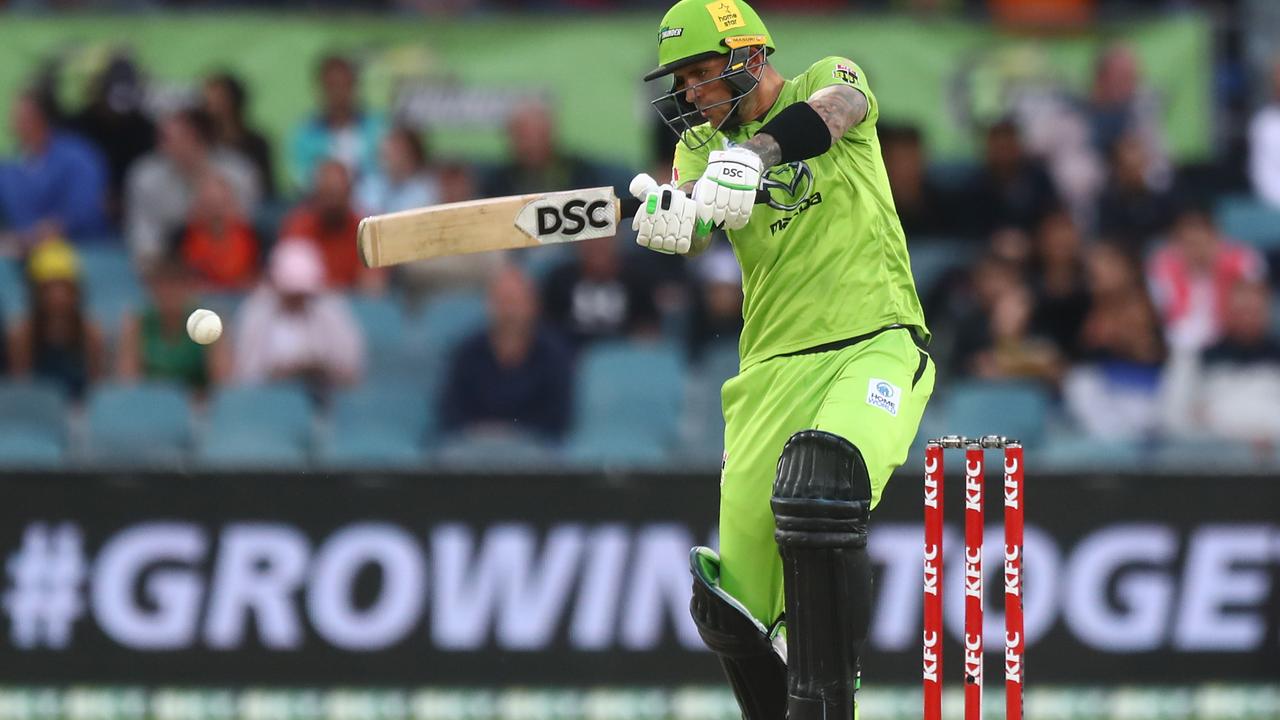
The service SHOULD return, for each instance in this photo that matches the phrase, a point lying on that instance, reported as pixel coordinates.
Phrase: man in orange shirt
(329, 219)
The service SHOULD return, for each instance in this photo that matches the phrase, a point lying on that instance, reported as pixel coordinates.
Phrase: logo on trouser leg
(884, 395)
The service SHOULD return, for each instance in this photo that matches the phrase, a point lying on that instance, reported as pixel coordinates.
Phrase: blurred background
(464, 488)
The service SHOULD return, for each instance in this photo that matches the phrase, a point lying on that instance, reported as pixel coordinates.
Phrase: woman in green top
(154, 343)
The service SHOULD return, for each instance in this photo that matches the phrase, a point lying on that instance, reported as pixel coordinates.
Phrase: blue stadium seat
(13, 291)
(631, 391)
(111, 284)
(370, 450)
(383, 410)
(381, 320)
(932, 258)
(448, 318)
(594, 449)
(138, 425)
(252, 426)
(33, 409)
(1206, 455)
(702, 435)
(484, 451)
(1070, 452)
(1249, 220)
(22, 450)
(1014, 409)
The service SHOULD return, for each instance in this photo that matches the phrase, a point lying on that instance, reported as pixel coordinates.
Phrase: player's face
(701, 89)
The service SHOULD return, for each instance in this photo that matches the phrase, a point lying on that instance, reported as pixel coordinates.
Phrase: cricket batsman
(832, 379)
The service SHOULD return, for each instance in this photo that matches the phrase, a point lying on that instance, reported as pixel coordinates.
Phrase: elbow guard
(800, 132)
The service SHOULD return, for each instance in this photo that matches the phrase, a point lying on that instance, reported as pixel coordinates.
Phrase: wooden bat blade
(490, 224)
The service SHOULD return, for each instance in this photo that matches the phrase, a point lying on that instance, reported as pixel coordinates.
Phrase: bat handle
(629, 206)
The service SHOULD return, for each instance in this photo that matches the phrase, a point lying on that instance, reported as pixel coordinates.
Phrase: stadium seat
(631, 391)
(702, 436)
(111, 284)
(448, 318)
(13, 291)
(379, 418)
(1207, 455)
(932, 258)
(381, 321)
(33, 409)
(484, 451)
(1014, 409)
(1249, 220)
(258, 426)
(1070, 452)
(138, 425)
(22, 450)
(595, 449)
(370, 450)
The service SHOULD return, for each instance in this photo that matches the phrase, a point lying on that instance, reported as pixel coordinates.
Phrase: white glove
(664, 222)
(726, 192)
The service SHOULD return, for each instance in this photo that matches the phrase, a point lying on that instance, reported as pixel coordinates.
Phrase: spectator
(1120, 105)
(716, 316)
(329, 219)
(1011, 189)
(154, 345)
(922, 207)
(538, 164)
(403, 180)
(226, 100)
(962, 308)
(57, 184)
(1192, 276)
(1264, 143)
(456, 183)
(218, 243)
(1130, 210)
(161, 185)
(595, 296)
(341, 130)
(1059, 283)
(113, 119)
(1013, 350)
(516, 376)
(291, 328)
(1233, 389)
(1115, 391)
(57, 342)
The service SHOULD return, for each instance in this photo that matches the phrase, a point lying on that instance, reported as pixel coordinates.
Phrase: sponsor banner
(1090, 702)
(566, 580)
(462, 79)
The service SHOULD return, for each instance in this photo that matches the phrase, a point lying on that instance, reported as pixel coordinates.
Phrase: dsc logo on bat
(575, 215)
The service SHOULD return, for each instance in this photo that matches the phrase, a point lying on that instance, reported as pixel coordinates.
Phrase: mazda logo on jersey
(788, 185)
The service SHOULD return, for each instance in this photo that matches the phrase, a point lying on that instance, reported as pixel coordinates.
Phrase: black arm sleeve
(800, 132)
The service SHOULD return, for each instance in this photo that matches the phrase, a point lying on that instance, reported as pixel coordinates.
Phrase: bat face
(491, 224)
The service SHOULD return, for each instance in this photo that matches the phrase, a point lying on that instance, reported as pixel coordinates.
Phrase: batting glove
(664, 222)
(726, 192)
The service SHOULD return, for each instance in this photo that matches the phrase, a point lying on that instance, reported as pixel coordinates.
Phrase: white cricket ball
(204, 326)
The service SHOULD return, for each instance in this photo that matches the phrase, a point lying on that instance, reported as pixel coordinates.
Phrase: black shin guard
(821, 503)
(755, 671)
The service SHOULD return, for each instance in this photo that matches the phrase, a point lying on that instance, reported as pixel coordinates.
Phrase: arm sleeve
(843, 71)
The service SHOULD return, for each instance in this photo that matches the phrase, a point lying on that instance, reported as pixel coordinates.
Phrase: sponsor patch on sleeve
(884, 395)
(845, 74)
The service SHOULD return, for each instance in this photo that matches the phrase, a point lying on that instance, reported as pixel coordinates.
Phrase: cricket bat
(503, 223)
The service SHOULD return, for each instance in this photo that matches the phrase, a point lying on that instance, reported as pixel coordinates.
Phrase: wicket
(933, 560)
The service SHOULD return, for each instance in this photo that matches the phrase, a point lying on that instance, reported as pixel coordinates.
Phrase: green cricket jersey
(826, 259)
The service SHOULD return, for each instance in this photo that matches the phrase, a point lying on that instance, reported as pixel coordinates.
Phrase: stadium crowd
(1080, 265)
